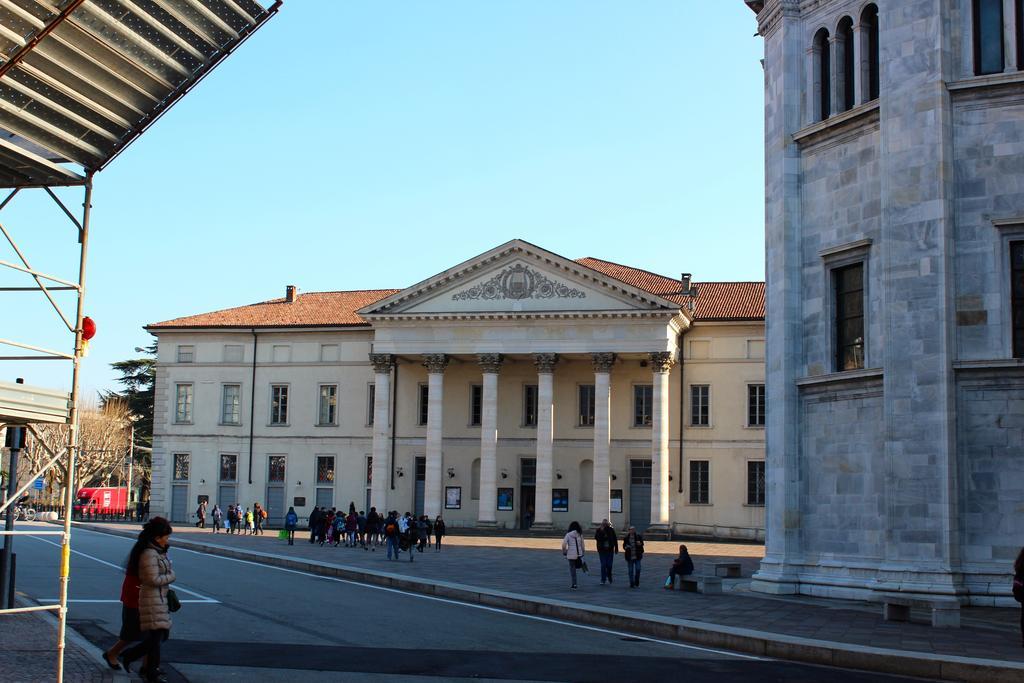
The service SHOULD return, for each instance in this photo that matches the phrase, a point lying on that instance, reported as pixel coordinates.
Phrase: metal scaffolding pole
(69, 490)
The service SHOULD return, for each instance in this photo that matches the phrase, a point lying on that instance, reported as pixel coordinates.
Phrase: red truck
(100, 500)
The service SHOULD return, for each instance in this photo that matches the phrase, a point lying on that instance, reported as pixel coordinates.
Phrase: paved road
(246, 621)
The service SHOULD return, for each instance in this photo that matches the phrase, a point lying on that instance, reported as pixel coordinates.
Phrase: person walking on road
(573, 547)
(232, 519)
(291, 521)
(314, 520)
(130, 629)
(439, 530)
(633, 549)
(201, 515)
(1018, 588)
(148, 559)
(259, 515)
(607, 547)
(249, 528)
(391, 534)
(372, 522)
(218, 518)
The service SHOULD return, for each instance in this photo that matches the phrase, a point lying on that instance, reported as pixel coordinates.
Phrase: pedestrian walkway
(535, 567)
(28, 652)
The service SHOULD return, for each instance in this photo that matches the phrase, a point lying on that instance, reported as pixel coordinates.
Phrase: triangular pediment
(518, 277)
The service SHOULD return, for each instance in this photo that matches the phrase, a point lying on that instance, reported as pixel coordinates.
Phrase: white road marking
(464, 604)
(202, 598)
(97, 601)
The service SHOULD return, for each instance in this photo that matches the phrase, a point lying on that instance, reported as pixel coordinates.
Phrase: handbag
(173, 603)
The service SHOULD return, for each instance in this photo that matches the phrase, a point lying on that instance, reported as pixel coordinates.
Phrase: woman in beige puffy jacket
(149, 560)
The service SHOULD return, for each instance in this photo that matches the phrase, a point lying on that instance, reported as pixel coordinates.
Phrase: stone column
(835, 63)
(600, 508)
(661, 364)
(861, 65)
(813, 112)
(490, 364)
(545, 363)
(435, 363)
(1009, 36)
(382, 363)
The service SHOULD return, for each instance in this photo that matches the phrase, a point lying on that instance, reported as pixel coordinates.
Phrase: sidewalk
(28, 652)
(529, 574)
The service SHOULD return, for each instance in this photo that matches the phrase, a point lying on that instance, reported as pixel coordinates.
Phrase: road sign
(38, 484)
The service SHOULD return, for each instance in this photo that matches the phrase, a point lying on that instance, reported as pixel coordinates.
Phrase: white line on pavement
(466, 604)
(202, 598)
(97, 601)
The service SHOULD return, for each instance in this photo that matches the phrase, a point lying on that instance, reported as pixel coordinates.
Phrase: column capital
(545, 362)
(435, 363)
(382, 362)
(662, 361)
(490, 362)
(602, 361)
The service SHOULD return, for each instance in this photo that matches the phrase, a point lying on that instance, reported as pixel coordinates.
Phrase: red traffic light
(88, 328)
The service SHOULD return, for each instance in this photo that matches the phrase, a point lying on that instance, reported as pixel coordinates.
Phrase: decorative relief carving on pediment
(519, 282)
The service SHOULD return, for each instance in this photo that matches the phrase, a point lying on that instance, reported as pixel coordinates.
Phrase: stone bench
(733, 570)
(708, 585)
(896, 607)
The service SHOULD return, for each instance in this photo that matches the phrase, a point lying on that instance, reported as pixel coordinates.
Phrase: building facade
(895, 259)
(518, 389)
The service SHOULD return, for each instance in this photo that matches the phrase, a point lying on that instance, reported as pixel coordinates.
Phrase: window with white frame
(476, 402)
(228, 467)
(643, 400)
(231, 404)
(700, 482)
(585, 405)
(755, 405)
(755, 482)
(182, 465)
(279, 404)
(328, 413)
(183, 403)
(371, 393)
(987, 18)
(530, 405)
(423, 407)
(186, 353)
(700, 405)
(1017, 296)
(329, 353)
(233, 353)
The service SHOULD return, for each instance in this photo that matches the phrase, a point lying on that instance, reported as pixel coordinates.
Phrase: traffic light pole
(15, 441)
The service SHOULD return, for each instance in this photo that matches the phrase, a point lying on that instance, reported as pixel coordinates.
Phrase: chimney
(684, 283)
(291, 293)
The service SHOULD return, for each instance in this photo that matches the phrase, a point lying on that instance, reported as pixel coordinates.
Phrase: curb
(747, 641)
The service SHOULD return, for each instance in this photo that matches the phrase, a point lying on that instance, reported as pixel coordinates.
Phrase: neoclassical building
(517, 389)
(894, 138)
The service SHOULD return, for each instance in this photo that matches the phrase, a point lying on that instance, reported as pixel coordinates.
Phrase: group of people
(574, 550)
(398, 533)
(235, 521)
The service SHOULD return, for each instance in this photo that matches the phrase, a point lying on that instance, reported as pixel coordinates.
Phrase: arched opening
(587, 481)
(987, 16)
(845, 55)
(822, 77)
(1019, 31)
(869, 31)
(474, 480)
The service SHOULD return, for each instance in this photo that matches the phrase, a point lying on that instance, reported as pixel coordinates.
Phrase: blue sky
(365, 144)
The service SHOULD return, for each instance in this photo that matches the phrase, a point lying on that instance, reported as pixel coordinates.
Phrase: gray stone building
(894, 207)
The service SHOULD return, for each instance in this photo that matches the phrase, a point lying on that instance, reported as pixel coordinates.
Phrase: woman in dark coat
(681, 566)
(148, 560)
(633, 549)
(439, 530)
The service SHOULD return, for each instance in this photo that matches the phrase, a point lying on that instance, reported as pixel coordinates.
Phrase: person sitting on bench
(681, 566)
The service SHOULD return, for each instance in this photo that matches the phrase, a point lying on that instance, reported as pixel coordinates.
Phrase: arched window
(869, 33)
(987, 18)
(474, 480)
(587, 481)
(821, 80)
(845, 55)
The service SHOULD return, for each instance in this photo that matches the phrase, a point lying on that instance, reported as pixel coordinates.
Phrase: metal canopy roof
(81, 79)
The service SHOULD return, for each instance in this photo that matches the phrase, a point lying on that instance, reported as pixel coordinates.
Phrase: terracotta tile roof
(715, 300)
(310, 309)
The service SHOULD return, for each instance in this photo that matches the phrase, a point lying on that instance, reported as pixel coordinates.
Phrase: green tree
(137, 377)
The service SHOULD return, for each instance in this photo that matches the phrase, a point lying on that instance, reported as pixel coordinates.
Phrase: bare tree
(104, 440)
